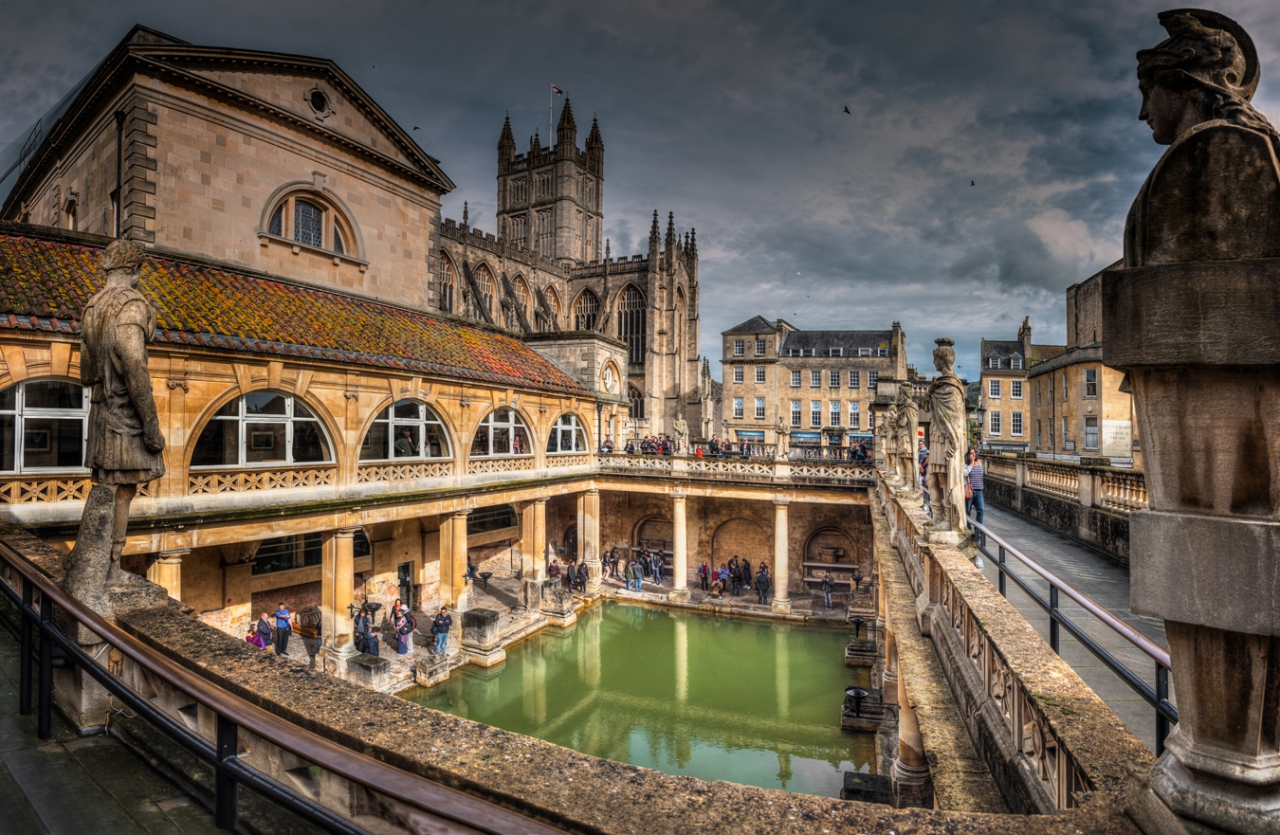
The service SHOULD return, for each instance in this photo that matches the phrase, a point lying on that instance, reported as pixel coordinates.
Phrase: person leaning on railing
(974, 503)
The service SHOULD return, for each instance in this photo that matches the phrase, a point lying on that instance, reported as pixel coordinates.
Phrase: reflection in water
(708, 697)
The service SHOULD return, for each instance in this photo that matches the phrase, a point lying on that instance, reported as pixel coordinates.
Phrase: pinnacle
(566, 118)
(507, 139)
(593, 138)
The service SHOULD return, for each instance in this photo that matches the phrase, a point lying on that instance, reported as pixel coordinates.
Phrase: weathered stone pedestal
(481, 637)
(369, 671)
(433, 670)
(557, 603)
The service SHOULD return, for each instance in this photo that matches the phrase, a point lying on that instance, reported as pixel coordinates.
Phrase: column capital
(539, 501)
(461, 514)
(592, 491)
(172, 557)
(781, 502)
(347, 532)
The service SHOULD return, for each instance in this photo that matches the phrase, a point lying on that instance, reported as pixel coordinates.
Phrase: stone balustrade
(816, 471)
(1089, 501)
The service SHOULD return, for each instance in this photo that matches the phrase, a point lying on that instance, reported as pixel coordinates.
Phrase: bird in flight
(971, 182)
(846, 109)
(375, 66)
(415, 127)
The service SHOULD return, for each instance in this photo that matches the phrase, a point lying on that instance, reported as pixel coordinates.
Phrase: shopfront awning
(749, 435)
(806, 436)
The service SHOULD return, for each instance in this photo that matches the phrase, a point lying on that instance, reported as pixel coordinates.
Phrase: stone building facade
(819, 384)
(1005, 364)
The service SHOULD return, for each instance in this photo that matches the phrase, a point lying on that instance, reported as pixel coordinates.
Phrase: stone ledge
(576, 791)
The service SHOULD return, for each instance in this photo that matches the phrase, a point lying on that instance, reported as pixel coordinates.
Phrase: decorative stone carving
(889, 442)
(784, 438)
(945, 400)
(908, 424)
(681, 428)
(124, 444)
(1191, 320)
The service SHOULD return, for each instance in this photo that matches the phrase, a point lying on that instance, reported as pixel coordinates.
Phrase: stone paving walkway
(1100, 579)
(68, 786)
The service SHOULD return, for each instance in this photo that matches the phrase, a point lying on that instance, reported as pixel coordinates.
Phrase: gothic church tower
(551, 200)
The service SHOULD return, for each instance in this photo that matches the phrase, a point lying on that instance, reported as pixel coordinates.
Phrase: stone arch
(633, 321)
(744, 538)
(487, 287)
(353, 247)
(586, 310)
(446, 420)
(553, 305)
(448, 283)
(832, 545)
(653, 532)
(341, 453)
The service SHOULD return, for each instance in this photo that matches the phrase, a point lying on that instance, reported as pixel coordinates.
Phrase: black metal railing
(35, 598)
(1157, 697)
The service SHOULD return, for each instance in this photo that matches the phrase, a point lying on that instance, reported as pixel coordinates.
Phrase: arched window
(448, 281)
(567, 435)
(632, 322)
(586, 311)
(406, 429)
(262, 427)
(553, 304)
(310, 219)
(502, 432)
(484, 283)
(521, 295)
(42, 426)
(637, 402)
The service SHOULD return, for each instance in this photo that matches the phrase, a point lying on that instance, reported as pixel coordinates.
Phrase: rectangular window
(795, 412)
(872, 376)
(1038, 387)
(835, 413)
(737, 408)
(759, 373)
(864, 352)
(1064, 430)
(1091, 382)
(759, 408)
(795, 379)
(854, 416)
(1064, 391)
(760, 347)
(1038, 427)
(815, 414)
(1091, 433)
(835, 379)
(993, 388)
(1015, 362)
(1015, 424)
(855, 379)
(737, 374)
(739, 347)
(815, 379)
(995, 423)
(1015, 389)
(993, 362)
(871, 421)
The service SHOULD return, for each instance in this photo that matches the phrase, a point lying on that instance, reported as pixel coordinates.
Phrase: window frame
(762, 347)
(1015, 424)
(993, 424)
(738, 409)
(20, 412)
(1015, 389)
(739, 347)
(873, 377)
(760, 374)
(994, 388)
(796, 379)
(759, 408)
(833, 379)
(815, 378)
(574, 427)
(1095, 433)
(517, 422)
(427, 416)
(335, 224)
(797, 412)
(815, 414)
(855, 415)
(1015, 362)
(834, 412)
(855, 379)
(288, 418)
(1091, 385)
(738, 372)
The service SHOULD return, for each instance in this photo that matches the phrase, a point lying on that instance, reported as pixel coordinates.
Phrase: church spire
(670, 243)
(655, 237)
(593, 139)
(567, 130)
(507, 139)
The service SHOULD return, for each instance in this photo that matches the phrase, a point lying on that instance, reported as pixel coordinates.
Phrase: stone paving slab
(1104, 581)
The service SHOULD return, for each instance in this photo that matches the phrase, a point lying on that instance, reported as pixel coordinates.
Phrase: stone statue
(124, 446)
(908, 427)
(784, 438)
(682, 434)
(945, 399)
(889, 434)
(1191, 319)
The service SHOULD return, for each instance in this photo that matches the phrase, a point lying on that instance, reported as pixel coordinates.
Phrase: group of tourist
(652, 445)
(736, 576)
(272, 630)
(975, 504)
(573, 574)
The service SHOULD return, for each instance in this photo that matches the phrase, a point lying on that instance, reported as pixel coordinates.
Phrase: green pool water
(715, 698)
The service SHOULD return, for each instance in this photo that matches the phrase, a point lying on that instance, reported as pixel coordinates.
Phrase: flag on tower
(557, 90)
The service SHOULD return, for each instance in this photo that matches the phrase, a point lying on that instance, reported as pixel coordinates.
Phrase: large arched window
(637, 402)
(567, 435)
(586, 311)
(521, 290)
(42, 426)
(502, 432)
(553, 306)
(406, 430)
(448, 282)
(484, 283)
(632, 322)
(262, 427)
(311, 219)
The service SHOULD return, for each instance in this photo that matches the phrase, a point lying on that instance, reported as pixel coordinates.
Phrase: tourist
(254, 638)
(404, 628)
(704, 575)
(405, 447)
(657, 568)
(440, 628)
(553, 570)
(361, 627)
(735, 576)
(568, 576)
(615, 558)
(632, 575)
(264, 630)
(608, 444)
(722, 574)
(371, 646)
(284, 626)
(974, 503)
(398, 609)
(583, 575)
(828, 585)
(762, 586)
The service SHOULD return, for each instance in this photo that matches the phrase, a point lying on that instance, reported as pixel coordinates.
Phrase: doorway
(404, 576)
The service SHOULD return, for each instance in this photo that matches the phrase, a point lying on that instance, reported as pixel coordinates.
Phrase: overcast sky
(731, 115)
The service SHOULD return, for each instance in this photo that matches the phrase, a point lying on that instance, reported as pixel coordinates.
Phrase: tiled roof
(848, 340)
(756, 324)
(45, 284)
(1040, 353)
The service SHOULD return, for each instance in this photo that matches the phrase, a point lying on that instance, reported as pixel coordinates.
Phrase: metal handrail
(1157, 697)
(232, 712)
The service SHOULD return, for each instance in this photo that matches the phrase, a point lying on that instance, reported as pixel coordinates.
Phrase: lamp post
(982, 423)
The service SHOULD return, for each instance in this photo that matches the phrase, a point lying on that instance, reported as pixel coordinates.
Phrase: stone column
(682, 656)
(337, 592)
(889, 681)
(453, 561)
(781, 570)
(589, 537)
(679, 550)
(912, 782)
(166, 572)
(533, 541)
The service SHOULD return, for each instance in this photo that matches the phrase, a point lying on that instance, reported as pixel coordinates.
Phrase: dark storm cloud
(731, 114)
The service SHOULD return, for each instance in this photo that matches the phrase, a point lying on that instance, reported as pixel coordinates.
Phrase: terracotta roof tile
(44, 285)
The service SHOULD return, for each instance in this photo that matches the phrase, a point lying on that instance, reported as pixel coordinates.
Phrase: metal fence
(1157, 697)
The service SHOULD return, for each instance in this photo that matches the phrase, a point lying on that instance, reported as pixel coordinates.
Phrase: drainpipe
(119, 169)
(599, 427)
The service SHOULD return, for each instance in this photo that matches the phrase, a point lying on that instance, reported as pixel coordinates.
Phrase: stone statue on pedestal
(1191, 319)
(908, 427)
(889, 430)
(784, 438)
(125, 445)
(945, 400)
(682, 434)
